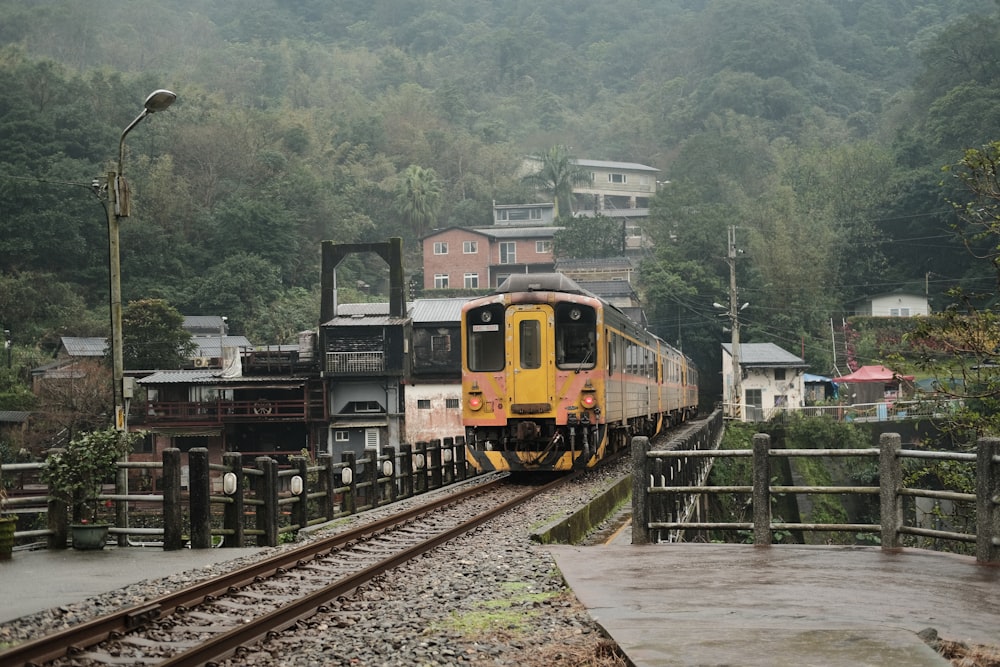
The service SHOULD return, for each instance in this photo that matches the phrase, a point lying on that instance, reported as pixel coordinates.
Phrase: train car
(555, 378)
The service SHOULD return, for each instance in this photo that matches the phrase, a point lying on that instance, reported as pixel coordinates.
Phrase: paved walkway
(794, 605)
(38, 580)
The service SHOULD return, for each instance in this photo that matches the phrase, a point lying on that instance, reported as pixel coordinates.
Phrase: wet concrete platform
(38, 580)
(733, 604)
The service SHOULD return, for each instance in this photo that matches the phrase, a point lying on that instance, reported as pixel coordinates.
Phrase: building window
(423, 404)
(440, 281)
(451, 403)
(617, 178)
(543, 247)
(441, 343)
(519, 214)
(440, 248)
(341, 436)
(508, 252)
(502, 277)
(470, 247)
(779, 374)
(471, 281)
(899, 312)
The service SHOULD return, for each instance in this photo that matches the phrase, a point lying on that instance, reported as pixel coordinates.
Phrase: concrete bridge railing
(665, 482)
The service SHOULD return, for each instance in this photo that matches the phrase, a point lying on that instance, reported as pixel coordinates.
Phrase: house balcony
(225, 412)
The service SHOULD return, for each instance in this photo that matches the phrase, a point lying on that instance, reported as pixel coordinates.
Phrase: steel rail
(76, 639)
(227, 644)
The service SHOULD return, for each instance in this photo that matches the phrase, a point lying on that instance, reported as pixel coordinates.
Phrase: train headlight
(475, 402)
(588, 401)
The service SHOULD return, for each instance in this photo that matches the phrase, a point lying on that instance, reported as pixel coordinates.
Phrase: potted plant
(76, 475)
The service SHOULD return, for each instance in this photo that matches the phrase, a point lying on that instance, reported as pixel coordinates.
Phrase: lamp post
(117, 206)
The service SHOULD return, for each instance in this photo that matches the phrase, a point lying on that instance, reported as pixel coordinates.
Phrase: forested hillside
(818, 127)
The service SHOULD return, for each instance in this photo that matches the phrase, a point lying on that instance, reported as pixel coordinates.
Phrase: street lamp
(117, 206)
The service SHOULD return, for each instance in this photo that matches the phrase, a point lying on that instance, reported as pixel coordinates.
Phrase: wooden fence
(225, 504)
(657, 498)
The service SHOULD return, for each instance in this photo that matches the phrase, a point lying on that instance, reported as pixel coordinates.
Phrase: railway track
(215, 619)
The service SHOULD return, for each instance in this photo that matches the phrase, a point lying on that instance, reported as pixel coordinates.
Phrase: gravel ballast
(491, 597)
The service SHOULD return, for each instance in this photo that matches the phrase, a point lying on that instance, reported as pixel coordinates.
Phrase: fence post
(988, 500)
(351, 497)
(406, 470)
(461, 460)
(640, 499)
(434, 452)
(328, 483)
(448, 460)
(761, 489)
(390, 456)
(420, 474)
(173, 511)
(232, 515)
(890, 471)
(300, 509)
(198, 485)
(267, 493)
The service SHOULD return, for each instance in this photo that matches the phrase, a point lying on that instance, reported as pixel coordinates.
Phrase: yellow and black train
(555, 378)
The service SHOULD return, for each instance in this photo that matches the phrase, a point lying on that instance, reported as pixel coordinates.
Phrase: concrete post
(389, 454)
(890, 470)
(173, 511)
(233, 512)
(405, 472)
(200, 492)
(328, 482)
(267, 492)
(434, 451)
(761, 489)
(349, 459)
(988, 501)
(300, 510)
(640, 499)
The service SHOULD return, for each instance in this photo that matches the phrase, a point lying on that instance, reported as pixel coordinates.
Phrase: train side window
(485, 338)
(530, 344)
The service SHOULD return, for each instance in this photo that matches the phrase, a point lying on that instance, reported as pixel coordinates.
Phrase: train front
(532, 392)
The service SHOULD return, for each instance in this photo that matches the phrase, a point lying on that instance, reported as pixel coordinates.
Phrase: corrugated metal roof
(92, 346)
(615, 165)
(370, 321)
(437, 310)
(519, 232)
(765, 354)
(211, 376)
(14, 416)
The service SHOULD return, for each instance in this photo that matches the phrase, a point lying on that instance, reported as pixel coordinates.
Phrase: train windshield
(576, 331)
(484, 338)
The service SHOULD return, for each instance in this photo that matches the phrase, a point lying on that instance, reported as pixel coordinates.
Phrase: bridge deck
(733, 604)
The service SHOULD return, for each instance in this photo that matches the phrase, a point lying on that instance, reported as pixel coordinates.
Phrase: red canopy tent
(873, 384)
(873, 374)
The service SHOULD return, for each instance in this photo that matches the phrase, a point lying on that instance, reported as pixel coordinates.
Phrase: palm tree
(418, 198)
(557, 176)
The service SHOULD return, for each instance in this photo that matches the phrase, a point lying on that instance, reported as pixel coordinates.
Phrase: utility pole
(734, 313)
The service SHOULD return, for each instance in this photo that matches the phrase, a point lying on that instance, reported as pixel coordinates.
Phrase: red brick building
(459, 257)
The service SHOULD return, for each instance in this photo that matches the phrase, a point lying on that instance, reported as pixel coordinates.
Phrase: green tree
(585, 237)
(418, 198)
(153, 336)
(558, 175)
